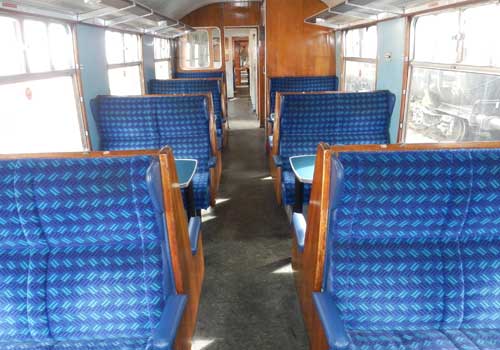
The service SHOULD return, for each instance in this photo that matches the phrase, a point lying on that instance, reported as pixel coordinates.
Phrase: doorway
(241, 57)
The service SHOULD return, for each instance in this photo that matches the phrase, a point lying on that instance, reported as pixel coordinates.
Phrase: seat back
(199, 75)
(300, 84)
(84, 233)
(180, 121)
(125, 122)
(336, 118)
(412, 238)
(192, 86)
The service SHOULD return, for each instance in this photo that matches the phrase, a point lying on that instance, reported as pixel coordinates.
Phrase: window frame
(74, 73)
(169, 59)
(211, 54)
(411, 63)
(125, 64)
(345, 59)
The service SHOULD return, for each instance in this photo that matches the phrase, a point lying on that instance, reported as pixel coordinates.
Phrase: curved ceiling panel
(179, 8)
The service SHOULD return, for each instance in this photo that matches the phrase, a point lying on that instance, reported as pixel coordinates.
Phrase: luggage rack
(348, 13)
(118, 14)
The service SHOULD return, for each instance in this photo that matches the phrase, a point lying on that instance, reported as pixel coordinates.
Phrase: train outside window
(454, 79)
(123, 53)
(40, 109)
(360, 59)
(163, 58)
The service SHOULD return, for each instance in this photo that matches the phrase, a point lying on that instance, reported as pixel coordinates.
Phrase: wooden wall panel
(230, 14)
(294, 48)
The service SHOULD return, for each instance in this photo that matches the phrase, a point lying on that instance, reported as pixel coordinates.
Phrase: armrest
(164, 335)
(299, 227)
(332, 322)
(271, 118)
(212, 162)
(277, 161)
(194, 229)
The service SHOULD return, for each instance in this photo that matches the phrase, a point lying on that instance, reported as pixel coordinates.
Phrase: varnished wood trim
(417, 147)
(81, 155)
(406, 78)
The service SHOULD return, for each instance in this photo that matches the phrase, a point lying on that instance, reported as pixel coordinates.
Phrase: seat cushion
(105, 344)
(288, 188)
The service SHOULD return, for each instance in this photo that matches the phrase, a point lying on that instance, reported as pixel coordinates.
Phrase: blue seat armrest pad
(164, 335)
(194, 229)
(212, 162)
(278, 161)
(299, 227)
(332, 322)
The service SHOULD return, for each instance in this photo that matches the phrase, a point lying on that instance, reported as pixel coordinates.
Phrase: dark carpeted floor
(249, 299)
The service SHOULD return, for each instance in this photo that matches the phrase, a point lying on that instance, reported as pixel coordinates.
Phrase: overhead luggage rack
(118, 14)
(350, 13)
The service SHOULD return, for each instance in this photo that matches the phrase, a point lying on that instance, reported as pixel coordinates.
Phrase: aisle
(249, 299)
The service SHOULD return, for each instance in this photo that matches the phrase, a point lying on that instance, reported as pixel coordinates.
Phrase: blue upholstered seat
(413, 248)
(340, 118)
(300, 84)
(193, 86)
(181, 122)
(84, 260)
(199, 75)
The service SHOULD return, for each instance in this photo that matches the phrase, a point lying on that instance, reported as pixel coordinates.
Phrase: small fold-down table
(303, 169)
(186, 168)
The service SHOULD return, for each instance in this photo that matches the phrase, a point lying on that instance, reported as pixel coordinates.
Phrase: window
(360, 59)
(201, 49)
(163, 58)
(40, 109)
(454, 77)
(124, 63)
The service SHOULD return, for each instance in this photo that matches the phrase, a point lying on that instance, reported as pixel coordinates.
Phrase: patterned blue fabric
(199, 75)
(83, 262)
(181, 122)
(300, 84)
(288, 188)
(345, 118)
(413, 248)
(192, 86)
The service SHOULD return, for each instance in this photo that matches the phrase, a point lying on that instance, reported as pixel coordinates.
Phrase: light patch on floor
(268, 178)
(221, 200)
(285, 269)
(202, 344)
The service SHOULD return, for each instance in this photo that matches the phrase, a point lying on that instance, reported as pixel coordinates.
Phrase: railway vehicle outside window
(124, 56)
(454, 76)
(40, 109)
(360, 59)
(163, 58)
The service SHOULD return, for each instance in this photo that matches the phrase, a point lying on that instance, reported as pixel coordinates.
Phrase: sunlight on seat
(268, 178)
(285, 269)
(201, 344)
(221, 200)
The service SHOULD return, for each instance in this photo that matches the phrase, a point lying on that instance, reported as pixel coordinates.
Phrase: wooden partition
(309, 265)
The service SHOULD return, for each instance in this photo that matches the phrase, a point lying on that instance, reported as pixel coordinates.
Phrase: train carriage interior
(254, 174)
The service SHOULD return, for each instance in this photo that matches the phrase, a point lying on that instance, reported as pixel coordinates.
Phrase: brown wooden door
(240, 58)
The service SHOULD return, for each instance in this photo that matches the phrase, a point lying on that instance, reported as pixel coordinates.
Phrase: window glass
(201, 49)
(131, 42)
(39, 116)
(360, 76)
(453, 106)
(61, 46)
(161, 48)
(125, 81)
(114, 47)
(163, 70)
(36, 41)
(436, 38)
(12, 56)
(458, 102)
(481, 26)
(361, 43)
